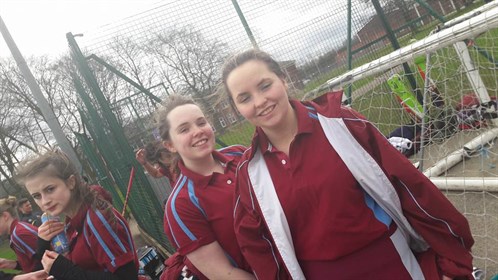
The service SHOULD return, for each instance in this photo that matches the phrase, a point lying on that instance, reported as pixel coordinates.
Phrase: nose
(196, 130)
(45, 201)
(259, 100)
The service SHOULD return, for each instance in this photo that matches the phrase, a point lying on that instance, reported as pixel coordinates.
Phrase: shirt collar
(305, 123)
(77, 221)
(13, 225)
(200, 180)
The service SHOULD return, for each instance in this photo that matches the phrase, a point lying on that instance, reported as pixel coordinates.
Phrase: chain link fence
(180, 46)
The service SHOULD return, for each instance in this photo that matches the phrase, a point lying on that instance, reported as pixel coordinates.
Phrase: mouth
(266, 111)
(200, 142)
(51, 209)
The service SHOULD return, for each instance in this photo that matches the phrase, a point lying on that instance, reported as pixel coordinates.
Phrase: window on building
(231, 118)
(222, 122)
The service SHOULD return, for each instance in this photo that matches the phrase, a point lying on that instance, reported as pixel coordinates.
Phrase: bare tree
(189, 62)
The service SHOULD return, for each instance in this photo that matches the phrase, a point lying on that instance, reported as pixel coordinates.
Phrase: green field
(7, 253)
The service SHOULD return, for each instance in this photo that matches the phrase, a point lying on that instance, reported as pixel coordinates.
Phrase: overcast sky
(289, 30)
(39, 26)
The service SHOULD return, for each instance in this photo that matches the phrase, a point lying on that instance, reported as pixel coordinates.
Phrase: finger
(51, 254)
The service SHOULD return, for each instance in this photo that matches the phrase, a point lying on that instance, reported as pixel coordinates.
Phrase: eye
(50, 189)
(243, 98)
(202, 123)
(36, 196)
(183, 130)
(265, 86)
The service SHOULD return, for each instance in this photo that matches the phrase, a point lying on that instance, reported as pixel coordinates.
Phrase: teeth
(266, 111)
(200, 142)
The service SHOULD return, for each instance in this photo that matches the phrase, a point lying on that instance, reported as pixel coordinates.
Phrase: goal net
(435, 100)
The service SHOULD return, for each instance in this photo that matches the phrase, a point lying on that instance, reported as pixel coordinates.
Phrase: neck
(73, 209)
(204, 166)
(282, 135)
(9, 222)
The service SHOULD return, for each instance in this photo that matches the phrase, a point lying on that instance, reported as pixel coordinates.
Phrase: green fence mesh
(179, 46)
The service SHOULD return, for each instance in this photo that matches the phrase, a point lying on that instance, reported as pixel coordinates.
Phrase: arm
(152, 170)
(8, 264)
(62, 268)
(212, 262)
(37, 275)
(431, 214)
(252, 235)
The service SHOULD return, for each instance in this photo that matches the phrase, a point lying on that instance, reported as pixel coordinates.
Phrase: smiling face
(191, 136)
(259, 94)
(52, 194)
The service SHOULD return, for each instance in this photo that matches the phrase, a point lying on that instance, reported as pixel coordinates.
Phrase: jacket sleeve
(254, 240)
(431, 214)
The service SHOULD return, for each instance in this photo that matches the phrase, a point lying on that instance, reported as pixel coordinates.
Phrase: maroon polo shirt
(23, 240)
(100, 240)
(321, 199)
(199, 210)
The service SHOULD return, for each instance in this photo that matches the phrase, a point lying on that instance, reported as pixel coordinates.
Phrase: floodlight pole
(245, 24)
(42, 103)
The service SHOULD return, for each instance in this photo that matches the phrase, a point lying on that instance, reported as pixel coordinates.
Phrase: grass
(7, 253)
(241, 133)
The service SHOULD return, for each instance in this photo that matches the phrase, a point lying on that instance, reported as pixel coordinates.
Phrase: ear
(71, 182)
(5, 215)
(168, 145)
(286, 85)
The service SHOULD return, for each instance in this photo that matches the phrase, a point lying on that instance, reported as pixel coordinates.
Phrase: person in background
(101, 246)
(23, 238)
(198, 216)
(154, 157)
(321, 192)
(26, 213)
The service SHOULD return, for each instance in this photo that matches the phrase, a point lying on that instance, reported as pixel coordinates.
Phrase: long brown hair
(55, 163)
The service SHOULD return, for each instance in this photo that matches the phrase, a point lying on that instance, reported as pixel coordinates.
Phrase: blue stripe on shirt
(110, 230)
(177, 217)
(17, 239)
(100, 240)
(379, 213)
(193, 197)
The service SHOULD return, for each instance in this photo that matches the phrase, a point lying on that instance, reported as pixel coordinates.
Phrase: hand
(140, 156)
(8, 264)
(37, 275)
(446, 277)
(50, 229)
(48, 260)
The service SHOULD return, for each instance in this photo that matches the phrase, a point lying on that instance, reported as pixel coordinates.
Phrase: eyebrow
(187, 123)
(264, 80)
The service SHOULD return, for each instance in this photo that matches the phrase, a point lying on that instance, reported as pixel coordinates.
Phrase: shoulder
(234, 150)
(23, 228)
(104, 220)
(179, 196)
